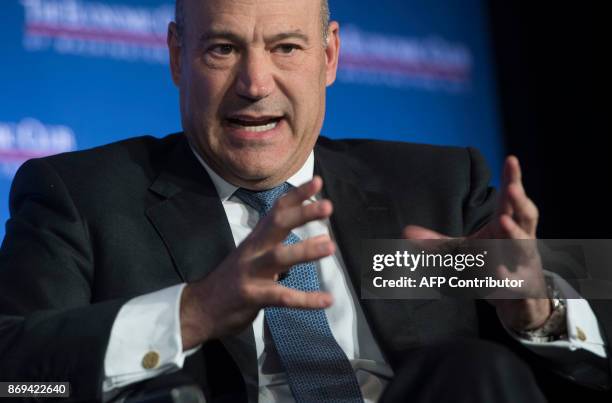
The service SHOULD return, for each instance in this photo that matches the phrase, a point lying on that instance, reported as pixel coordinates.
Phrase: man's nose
(255, 79)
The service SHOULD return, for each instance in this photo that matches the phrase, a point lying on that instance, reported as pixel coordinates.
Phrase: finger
(502, 271)
(280, 296)
(525, 211)
(276, 226)
(422, 237)
(280, 258)
(288, 213)
(512, 170)
(510, 174)
(297, 196)
(418, 232)
(510, 229)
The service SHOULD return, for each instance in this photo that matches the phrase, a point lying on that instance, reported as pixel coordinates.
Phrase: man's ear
(174, 50)
(332, 52)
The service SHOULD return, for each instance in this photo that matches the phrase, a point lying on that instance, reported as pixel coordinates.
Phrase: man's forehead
(304, 11)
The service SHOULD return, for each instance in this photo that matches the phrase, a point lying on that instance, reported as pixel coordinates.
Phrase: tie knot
(263, 200)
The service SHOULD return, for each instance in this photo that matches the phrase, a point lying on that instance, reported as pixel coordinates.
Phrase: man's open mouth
(254, 124)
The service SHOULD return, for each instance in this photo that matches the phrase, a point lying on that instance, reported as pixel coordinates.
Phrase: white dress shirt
(150, 323)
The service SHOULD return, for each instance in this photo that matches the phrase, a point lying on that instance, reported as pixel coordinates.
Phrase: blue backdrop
(79, 73)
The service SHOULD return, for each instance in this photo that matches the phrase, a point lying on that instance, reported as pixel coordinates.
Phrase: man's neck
(226, 188)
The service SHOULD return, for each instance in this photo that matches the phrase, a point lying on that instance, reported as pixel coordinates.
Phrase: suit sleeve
(49, 329)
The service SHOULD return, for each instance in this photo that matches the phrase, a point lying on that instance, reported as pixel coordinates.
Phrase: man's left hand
(516, 217)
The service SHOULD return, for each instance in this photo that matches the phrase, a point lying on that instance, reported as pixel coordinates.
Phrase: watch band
(555, 327)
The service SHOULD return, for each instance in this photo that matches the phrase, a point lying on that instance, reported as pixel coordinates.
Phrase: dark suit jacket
(91, 229)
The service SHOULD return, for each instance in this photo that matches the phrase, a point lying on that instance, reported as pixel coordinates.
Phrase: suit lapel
(190, 219)
(362, 214)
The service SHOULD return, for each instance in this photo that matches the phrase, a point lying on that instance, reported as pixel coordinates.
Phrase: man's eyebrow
(288, 35)
(227, 35)
(233, 37)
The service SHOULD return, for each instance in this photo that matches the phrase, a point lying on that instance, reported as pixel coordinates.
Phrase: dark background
(556, 120)
(555, 105)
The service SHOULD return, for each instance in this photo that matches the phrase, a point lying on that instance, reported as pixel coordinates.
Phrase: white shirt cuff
(145, 340)
(582, 326)
(583, 333)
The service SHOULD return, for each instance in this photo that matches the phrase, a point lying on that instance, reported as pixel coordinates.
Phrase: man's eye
(287, 48)
(222, 49)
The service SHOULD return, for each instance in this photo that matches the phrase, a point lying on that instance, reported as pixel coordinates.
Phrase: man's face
(252, 76)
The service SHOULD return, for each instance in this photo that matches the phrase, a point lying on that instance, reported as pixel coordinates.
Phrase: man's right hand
(229, 298)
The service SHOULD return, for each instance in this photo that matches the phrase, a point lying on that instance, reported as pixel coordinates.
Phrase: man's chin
(256, 176)
(261, 169)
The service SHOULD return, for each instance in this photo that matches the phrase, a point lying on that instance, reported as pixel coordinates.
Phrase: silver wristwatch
(555, 327)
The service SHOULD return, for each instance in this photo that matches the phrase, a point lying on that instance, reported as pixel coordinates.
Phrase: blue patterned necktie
(317, 368)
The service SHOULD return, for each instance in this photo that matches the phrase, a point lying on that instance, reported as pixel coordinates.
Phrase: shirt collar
(225, 190)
